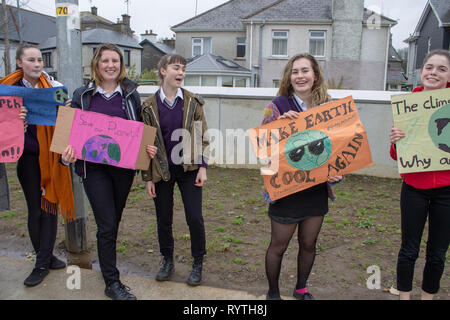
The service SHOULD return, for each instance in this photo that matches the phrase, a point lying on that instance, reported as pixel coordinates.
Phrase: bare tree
(6, 38)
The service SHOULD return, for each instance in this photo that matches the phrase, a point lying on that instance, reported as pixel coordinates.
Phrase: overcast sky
(159, 15)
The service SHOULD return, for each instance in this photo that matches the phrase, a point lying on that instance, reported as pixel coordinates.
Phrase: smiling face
(173, 75)
(302, 77)
(435, 74)
(31, 63)
(109, 66)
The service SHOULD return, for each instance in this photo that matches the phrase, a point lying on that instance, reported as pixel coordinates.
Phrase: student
(46, 183)
(107, 187)
(424, 195)
(170, 109)
(302, 87)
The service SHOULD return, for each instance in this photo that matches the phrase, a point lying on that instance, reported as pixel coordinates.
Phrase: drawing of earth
(101, 149)
(307, 150)
(439, 128)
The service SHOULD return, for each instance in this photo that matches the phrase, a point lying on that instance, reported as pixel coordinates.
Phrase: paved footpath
(13, 272)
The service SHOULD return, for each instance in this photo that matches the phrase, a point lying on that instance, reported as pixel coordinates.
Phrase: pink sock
(301, 290)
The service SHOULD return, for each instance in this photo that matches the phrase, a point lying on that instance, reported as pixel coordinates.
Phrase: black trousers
(42, 226)
(416, 206)
(192, 200)
(107, 189)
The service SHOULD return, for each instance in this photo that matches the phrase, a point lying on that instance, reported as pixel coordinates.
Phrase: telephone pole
(68, 44)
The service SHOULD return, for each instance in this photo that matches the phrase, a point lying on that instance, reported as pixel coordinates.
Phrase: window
(201, 46)
(126, 57)
(240, 52)
(276, 83)
(47, 58)
(317, 43)
(209, 81)
(192, 81)
(93, 50)
(279, 43)
(240, 82)
(227, 81)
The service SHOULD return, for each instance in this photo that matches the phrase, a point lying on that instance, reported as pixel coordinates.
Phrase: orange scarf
(56, 182)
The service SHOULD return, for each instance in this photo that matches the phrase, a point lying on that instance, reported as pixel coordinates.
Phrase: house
(97, 30)
(395, 75)
(210, 70)
(34, 28)
(350, 42)
(432, 32)
(153, 50)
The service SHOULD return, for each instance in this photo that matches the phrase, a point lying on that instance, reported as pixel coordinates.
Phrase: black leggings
(308, 231)
(107, 189)
(416, 206)
(42, 226)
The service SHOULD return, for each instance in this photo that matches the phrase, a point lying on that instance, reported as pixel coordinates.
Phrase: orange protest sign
(324, 141)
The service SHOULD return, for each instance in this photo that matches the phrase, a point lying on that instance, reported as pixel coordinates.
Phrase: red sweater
(424, 180)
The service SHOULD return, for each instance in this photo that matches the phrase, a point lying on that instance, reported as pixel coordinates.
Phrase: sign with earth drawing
(424, 117)
(99, 138)
(325, 141)
(42, 104)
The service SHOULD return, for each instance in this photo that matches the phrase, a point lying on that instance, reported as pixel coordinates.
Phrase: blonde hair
(319, 89)
(95, 73)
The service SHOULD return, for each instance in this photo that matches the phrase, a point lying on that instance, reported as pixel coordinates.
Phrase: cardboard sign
(99, 138)
(41, 103)
(11, 129)
(424, 117)
(325, 141)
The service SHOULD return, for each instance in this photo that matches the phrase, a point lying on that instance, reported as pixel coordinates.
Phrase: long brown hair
(319, 92)
(95, 73)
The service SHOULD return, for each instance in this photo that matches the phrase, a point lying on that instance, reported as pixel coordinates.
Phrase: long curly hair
(319, 89)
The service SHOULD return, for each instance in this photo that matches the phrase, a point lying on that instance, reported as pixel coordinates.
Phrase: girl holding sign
(178, 116)
(424, 195)
(46, 183)
(107, 187)
(302, 87)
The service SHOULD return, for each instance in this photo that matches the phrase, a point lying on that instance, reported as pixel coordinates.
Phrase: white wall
(242, 108)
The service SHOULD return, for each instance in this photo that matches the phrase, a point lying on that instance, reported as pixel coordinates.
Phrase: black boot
(118, 291)
(36, 277)
(166, 270)
(196, 275)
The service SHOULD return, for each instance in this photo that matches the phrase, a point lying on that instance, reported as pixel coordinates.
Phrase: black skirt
(301, 205)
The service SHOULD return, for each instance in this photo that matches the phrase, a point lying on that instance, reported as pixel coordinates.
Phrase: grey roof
(35, 28)
(164, 48)
(395, 77)
(97, 36)
(225, 17)
(232, 14)
(442, 9)
(210, 63)
(290, 10)
(87, 16)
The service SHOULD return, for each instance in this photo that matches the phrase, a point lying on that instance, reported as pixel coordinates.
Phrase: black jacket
(82, 99)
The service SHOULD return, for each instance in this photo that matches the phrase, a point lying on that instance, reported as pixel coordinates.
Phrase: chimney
(149, 35)
(347, 29)
(126, 20)
(94, 10)
(169, 42)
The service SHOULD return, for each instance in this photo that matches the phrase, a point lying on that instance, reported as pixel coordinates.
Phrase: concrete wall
(240, 109)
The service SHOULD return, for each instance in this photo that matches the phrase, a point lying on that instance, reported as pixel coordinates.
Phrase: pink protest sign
(11, 129)
(104, 139)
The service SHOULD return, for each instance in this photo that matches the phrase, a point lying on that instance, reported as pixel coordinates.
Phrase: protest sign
(11, 129)
(424, 117)
(99, 138)
(324, 141)
(40, 103)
